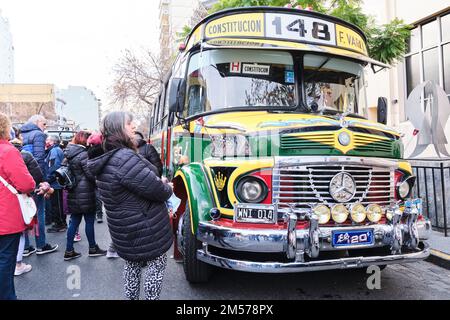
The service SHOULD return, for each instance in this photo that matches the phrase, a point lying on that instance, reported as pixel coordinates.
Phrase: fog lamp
(323, 213)
(358, 213)
(339, 213)
(374, 212)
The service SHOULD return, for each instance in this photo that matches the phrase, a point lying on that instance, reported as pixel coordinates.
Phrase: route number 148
(320, 31)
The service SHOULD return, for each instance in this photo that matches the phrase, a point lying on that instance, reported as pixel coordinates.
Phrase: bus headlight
(404, 188)
(374, 212)
(339, 213)
(358, 213)
(323, 213)
(251, 190)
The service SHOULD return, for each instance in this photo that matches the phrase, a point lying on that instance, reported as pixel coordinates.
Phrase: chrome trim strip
(274, 240)
(339, 160)
(293, 267)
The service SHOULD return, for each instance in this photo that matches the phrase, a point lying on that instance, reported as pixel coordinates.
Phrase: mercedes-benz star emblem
(342, 187)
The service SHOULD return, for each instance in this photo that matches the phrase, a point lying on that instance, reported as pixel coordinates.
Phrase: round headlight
(358, 213)
(339, 213)
(251, 190)
(374, 212)
(404, 189)
(323, 213)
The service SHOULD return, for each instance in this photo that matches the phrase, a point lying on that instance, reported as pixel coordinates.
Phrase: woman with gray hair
(134, 199)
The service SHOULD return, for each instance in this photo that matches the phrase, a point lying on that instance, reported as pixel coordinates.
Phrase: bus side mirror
(177, 93)
(382, 110)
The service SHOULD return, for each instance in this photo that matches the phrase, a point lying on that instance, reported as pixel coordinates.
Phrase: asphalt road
(52, 278)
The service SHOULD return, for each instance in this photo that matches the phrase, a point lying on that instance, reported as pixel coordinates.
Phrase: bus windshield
(334, 85)
(230, 78)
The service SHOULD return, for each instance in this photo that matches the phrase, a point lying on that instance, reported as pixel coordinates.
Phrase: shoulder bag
(27, 204)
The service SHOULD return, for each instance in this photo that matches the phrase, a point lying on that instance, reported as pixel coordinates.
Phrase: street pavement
(52, 278)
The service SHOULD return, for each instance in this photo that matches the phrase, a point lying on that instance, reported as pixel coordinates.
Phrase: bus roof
(281, 28)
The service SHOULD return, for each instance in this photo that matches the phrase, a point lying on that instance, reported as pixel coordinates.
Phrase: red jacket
(14, 171)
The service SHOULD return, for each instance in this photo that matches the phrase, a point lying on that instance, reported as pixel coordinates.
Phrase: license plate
(255, 213)
(352, 238)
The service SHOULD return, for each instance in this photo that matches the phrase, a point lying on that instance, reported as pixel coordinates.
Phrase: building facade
(173, 16)
(21, 101)
(78, 105)
(6, 52)
(428, 58)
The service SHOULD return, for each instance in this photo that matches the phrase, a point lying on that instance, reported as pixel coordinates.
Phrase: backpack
(65, 176)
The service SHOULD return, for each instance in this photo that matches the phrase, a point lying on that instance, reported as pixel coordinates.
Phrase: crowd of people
(114, 171)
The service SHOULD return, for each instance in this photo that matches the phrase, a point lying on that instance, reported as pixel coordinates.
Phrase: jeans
(9, 245)
(21, 248)
(40, 240)
(75, 220)
(57, 210)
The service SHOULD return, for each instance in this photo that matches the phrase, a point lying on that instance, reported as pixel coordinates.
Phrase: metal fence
(432, 185)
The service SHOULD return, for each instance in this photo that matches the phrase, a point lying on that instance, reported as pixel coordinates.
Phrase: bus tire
(195, 270)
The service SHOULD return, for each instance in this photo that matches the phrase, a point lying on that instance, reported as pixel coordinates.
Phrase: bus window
(230, 78)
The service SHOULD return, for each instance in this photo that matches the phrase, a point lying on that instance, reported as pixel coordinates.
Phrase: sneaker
(111, 254)
(69, 255)
(29, 251)
(96, 252)
(55, 229)
(77, 238)
(24, 268)
(99, 220)
(47, 249)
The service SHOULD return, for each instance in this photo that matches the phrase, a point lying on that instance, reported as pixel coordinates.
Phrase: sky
(77, 42)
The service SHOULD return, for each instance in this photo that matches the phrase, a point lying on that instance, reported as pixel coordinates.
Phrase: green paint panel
(199, 192)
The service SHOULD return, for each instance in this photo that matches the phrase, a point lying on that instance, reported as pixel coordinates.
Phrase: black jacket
(31, 163)
(33, 167)
(149, 152)
(134, 200)
(81, 199)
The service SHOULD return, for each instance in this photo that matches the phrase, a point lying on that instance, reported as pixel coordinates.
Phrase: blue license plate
(352, 238)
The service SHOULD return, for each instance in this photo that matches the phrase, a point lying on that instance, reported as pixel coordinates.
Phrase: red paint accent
(261, 226)
(180, 192)
(266, 176)
(169, 134)
(397, 178)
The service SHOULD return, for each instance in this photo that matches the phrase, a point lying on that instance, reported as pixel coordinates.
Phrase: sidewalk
(440, 249)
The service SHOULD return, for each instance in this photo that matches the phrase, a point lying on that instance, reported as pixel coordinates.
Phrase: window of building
(429, 53)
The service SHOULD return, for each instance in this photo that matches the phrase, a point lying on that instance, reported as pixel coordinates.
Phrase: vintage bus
(262, 127)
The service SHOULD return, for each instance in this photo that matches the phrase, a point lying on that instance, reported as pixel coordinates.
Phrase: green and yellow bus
(262, 127)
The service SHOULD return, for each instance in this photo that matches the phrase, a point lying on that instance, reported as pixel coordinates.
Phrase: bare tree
(137, 81)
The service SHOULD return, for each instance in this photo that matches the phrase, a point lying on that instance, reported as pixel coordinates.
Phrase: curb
(439, 258)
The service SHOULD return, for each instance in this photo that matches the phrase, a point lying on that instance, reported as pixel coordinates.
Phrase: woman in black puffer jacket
(81, 198)
(133, 197)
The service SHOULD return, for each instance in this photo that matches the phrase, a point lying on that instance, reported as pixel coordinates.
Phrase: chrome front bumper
(298, 243)
(321, 265)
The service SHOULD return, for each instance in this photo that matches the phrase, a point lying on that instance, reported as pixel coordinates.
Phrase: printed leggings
(153, 277)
